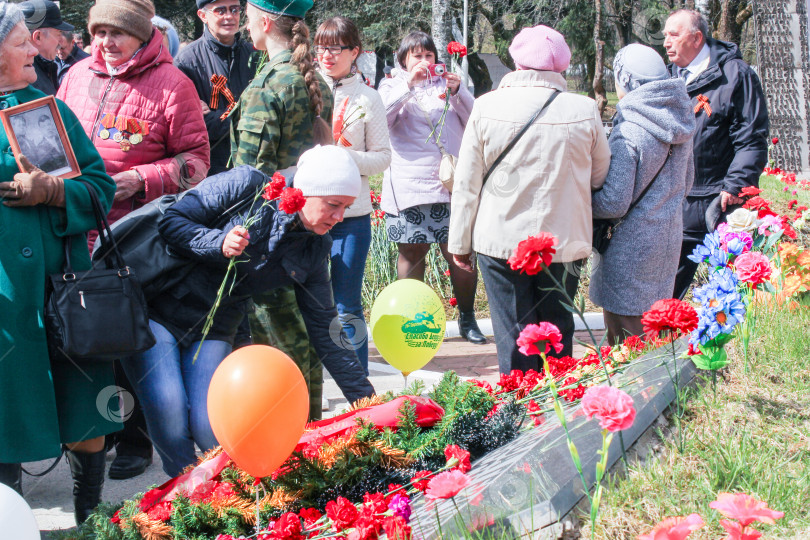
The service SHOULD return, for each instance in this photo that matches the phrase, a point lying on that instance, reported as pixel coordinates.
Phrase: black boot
(11, 475)
(469, 328)
(88, 479)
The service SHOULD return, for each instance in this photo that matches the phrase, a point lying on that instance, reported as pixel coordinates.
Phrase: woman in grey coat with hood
(654, 116)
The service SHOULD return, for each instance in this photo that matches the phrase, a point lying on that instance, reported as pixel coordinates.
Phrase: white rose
(742, 220)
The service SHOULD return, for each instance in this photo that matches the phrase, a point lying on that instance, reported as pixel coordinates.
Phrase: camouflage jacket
(272, 126)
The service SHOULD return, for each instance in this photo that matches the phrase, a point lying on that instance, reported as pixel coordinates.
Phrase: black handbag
(156, 264)
(604, 229)
(100, 314)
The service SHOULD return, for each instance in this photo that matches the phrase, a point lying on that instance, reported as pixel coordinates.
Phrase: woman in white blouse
(359, 124)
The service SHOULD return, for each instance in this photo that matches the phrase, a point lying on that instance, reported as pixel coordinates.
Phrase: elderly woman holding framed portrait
(45, 402)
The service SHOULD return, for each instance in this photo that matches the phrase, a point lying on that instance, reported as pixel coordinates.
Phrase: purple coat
(413, 177)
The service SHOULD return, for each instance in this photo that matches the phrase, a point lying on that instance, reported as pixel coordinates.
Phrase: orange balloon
(258, 405)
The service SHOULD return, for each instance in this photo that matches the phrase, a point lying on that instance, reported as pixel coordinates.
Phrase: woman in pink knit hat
(543, 184)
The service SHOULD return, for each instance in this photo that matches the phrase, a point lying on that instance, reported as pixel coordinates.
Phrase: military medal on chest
(127, 132)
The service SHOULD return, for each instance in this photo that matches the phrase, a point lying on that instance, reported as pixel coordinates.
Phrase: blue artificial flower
(710, 251)
(719, 313)
(736, 246)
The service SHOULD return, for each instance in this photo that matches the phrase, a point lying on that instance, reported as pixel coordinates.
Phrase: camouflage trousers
(276, 321)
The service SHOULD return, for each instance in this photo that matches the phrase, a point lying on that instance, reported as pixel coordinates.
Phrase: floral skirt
(422, 224)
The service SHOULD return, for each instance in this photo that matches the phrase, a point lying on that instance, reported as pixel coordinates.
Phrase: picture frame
(36, 130)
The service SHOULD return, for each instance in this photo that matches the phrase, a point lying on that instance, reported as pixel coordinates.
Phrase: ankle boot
(88, 479)
(11, 475)
(468, 328)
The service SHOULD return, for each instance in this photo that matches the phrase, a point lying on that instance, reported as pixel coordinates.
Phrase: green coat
(44, 404)
(273, 125)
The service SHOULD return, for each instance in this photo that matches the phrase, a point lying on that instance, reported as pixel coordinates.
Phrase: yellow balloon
(407, 324)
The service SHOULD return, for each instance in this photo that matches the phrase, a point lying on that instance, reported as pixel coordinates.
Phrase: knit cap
(327, 170)
(637, 64)
(132, 16)
(541, 48)
(10, 16)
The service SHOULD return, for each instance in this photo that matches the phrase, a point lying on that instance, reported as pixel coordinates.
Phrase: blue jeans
(173, 390)
(351, 242)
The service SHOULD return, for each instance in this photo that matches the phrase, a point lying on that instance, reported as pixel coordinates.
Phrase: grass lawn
(753, 437)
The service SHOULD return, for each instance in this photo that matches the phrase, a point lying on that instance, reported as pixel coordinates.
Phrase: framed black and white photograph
(36, 131)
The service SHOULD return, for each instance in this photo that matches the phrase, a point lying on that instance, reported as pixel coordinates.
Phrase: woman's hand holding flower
(235, 242)
(453, 82)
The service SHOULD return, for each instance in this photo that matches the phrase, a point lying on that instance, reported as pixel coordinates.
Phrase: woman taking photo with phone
(416, 204)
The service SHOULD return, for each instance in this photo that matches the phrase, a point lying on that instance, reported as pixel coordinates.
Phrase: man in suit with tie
(731, 138)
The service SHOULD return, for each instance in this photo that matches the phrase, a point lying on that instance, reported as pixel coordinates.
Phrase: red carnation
(634, 343)
(533, 407)
(544, 334)
(310, 516)
(670, 315)
(453, 302)
(342, 513)
(367, 526)
(396, 528)
(273, 188)
(775, 140)
(420, 480)
(750, 191)
(533, 253)
(756, 203)
(454, 47)
(287, 527)
(375, 501)
(292, 200)
(461, 456)
(572, 394)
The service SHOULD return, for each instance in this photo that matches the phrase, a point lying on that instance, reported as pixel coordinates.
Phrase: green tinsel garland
(468, 421)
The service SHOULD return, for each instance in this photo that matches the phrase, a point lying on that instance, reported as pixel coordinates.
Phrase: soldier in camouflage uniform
(276, 121)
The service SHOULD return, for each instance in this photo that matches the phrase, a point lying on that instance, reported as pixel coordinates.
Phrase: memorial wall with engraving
(784, 68)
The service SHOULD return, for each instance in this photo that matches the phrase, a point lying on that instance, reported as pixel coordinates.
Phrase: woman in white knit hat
(280, 249)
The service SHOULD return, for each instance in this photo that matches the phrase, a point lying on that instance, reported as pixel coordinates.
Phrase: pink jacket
(152, 96)
(413, 177)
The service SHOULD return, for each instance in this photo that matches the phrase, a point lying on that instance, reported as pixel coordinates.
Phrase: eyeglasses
(334, 50)
(221, 11)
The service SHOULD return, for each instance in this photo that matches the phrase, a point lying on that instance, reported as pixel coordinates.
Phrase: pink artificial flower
(753, 267)
(447, 484)
(770, 224)
(612, 406)
(544, 333)
(738, 532)
(745, 508)
(674, 528)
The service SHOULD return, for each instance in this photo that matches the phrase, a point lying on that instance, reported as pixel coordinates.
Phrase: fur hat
(132, 16)
(327, 170)
(541, 48)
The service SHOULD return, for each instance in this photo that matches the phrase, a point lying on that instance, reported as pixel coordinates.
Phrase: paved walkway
(50, 496)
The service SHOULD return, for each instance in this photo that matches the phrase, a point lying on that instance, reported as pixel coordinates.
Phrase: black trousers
(133, 440)
(516, 300)
(694, 232)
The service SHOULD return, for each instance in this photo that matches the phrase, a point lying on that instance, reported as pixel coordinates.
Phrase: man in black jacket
(731, 138)
(69, 53)
(218, 64)
(44, 20)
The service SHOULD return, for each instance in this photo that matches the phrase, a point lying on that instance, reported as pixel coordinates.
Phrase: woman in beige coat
(543, 185)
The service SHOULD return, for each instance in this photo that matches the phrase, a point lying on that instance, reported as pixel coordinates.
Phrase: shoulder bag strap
(433, 135)
(520, 134)
(646, 189)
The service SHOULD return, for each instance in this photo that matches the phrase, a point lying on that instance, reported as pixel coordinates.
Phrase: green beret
(291, 8)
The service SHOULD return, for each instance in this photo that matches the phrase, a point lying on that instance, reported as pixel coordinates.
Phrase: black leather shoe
(127, 466)
(11, 475)
(88, 479)
(469, 330)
